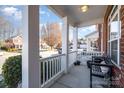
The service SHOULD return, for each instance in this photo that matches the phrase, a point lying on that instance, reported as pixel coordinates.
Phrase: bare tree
(53, 37)
(5, 29)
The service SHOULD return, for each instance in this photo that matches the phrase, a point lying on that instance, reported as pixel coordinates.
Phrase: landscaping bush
(4, 48)
(12, 50)
(11, 71)
(2, 84)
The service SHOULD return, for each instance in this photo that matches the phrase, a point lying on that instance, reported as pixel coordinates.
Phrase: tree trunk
(51, 48)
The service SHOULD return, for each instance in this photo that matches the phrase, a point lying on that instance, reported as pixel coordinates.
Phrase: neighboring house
(9, 43)
(92, 41)
(14, 42)
(82, 44)
(17, 42)
(83, 47)
(43, 45)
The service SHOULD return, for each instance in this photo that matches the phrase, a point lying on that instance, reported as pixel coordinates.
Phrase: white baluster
(43, 72)
(50, 69)
(60, 61)
(47, 70)
(57, 65)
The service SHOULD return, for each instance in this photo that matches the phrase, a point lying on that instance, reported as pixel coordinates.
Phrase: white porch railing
(51, 67)
(87, 53)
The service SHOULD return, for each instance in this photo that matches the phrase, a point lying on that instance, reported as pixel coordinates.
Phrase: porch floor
(77, 77)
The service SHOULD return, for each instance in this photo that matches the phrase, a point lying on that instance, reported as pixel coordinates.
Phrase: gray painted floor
(78, 77)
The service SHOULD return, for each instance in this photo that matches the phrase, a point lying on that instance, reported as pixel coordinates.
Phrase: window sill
(118, 66)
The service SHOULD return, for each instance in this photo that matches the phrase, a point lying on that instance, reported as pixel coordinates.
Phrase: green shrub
(2, 84)
(4, 48)
(11, 71)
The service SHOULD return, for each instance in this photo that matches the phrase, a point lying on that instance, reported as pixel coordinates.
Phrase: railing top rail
(72, 52)
(91, 51)
(54, 56)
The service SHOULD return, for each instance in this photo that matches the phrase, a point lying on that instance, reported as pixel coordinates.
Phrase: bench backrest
(108, 60)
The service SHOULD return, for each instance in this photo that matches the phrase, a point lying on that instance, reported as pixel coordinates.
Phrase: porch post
(102, 38)
(30, 50)
(65, 42)
(75, 41)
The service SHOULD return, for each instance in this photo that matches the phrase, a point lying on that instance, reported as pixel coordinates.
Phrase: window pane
(50, 40)
(114, 50)
(114, 28)
(115, 8)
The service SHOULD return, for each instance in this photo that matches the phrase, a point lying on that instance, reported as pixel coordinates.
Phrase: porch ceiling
(94, 15)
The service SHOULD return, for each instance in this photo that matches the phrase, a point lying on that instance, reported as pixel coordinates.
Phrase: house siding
(122, 46)
(122, 34)
(118, 73)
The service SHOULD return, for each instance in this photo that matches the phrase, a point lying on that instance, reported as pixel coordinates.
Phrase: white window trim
(113, 39)
(110, 19)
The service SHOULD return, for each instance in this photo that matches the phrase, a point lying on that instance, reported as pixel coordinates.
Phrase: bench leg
(111, 77)
(91, 77)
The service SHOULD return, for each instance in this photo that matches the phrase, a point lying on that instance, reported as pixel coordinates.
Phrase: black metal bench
(95, 70)
(98, 59)
(95, 59)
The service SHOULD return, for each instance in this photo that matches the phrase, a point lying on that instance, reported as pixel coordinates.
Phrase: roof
(94, 15)
(14, 37)
(92, 33)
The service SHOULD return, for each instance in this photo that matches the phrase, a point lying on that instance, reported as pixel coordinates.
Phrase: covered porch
(58, 71)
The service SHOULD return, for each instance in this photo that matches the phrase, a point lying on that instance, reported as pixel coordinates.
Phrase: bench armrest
(98, 64)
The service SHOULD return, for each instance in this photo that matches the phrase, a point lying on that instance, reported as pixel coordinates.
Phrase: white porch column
(102, 38)
(65, 43)
(75, 39)
(75, 42)
(30, 51)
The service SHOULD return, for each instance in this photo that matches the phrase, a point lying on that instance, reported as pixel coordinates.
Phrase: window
(114, 30)
(17, 46)
(20, 46)
(114, 34)
(114, 10)
(114, 50)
